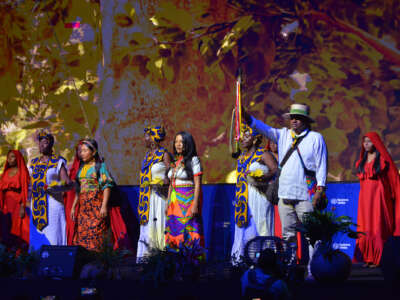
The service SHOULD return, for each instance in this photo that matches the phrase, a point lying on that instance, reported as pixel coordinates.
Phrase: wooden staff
(236, 120)
(238, 109)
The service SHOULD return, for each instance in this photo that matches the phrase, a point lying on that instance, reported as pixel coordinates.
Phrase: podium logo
(339, 201)
(45, 254)
(341, 246)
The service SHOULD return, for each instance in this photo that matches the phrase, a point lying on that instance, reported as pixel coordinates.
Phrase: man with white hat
(311, 154)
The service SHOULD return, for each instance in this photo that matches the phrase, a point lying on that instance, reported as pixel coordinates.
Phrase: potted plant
(27, 263)
(7, 262)
(183, 264)
(319, 227)
(108, 263)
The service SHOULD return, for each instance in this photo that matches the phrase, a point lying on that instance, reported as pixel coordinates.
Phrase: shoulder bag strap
(306, 171)
(291, 150)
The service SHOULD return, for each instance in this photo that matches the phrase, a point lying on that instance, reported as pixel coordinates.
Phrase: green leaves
(238, 30)
(324, 225)
(123, 20)
(186, 56)
(345, 69)
(39, 90)
(168, 14)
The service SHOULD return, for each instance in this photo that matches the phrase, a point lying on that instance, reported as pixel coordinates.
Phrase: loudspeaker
(61, 261)
(390, 261)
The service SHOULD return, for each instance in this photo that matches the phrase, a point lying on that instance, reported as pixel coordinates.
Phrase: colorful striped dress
(181, 228)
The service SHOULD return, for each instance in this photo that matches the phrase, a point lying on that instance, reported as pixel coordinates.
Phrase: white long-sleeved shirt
(292, 181)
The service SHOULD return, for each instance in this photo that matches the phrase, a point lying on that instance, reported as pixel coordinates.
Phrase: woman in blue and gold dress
(254, 214)
(49, 179)
(153, 193)
(94, 188)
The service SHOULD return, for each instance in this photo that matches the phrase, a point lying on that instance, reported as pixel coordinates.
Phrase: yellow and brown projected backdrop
(106, 69)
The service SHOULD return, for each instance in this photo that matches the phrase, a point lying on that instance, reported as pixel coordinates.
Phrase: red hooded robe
(379, 193)
(11, 199)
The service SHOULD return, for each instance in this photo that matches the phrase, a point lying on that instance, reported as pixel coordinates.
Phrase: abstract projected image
(107, 69)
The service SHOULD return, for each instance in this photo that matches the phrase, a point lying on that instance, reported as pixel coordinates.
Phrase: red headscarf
(22, 226)
(23, 175)
(69, 196)
(268, 146)
(393, 174)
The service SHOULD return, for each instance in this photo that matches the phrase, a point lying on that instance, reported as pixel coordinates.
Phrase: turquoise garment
(88, 180)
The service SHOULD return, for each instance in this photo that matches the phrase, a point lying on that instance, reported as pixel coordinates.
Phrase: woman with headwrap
(93, 195)
(379, 189)
(152, 201)
(14, 184)
(254, 214)
(49, 179)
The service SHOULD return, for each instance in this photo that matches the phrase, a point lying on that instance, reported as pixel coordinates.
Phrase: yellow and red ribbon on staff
(238, 111)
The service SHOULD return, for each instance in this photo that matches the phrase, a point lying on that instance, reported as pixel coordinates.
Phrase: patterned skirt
(90, 228)
(180, 228)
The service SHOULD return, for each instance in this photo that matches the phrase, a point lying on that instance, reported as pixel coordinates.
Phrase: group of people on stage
(256, 166)
(302, 157)
(67, 208)
(170, 194)
(76, 208)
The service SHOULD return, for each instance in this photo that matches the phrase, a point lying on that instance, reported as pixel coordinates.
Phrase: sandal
(366, 265)
(372, 266)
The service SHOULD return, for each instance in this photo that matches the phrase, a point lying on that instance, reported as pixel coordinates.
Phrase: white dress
(152, 234)
(261, 217)
(55, 232)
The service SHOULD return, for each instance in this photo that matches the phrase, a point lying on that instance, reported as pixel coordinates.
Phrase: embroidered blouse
(88, 180)
(179, 176)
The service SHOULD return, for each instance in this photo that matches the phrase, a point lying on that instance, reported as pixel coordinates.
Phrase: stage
(362, 284)
(218, 214)
(217, 278)
(108, 69)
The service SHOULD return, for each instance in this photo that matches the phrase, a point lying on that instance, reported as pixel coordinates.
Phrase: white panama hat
(299, 110)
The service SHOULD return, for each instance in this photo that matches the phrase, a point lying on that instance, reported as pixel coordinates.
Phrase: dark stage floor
(363, 283)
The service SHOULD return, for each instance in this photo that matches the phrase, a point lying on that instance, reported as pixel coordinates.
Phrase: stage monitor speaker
(390, 261)
(61, 261)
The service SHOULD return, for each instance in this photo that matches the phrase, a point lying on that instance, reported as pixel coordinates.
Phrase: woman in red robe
(14, 184)
(377, 174)
(70, 196)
